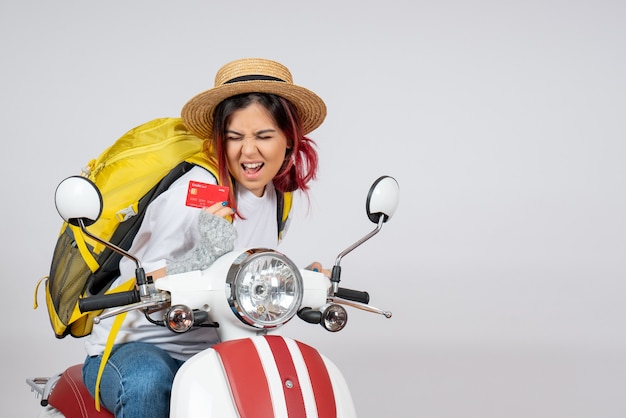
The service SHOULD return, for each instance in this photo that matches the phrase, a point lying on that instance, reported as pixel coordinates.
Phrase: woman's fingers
(220, 209)
(315, 266)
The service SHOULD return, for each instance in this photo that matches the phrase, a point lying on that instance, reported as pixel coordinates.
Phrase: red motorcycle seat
(71, 397)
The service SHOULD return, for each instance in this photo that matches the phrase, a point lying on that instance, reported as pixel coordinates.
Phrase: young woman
(254, 122)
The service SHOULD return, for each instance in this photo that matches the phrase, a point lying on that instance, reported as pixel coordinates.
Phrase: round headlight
(264, 288)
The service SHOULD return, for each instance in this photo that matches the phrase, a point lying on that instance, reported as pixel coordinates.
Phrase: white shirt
(169, 230)
(260, 227)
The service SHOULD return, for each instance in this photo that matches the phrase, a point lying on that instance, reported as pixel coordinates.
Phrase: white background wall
(502, 121)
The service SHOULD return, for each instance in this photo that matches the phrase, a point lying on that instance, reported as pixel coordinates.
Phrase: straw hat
(252, 75)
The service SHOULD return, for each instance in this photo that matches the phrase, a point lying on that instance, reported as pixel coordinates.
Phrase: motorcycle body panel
(206, 290)
(260, 376)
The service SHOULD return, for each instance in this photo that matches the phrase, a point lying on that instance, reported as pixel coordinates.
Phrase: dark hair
(300, 164)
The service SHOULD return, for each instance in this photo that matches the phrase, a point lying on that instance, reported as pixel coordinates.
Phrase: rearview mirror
(382, 199)
(77, 198)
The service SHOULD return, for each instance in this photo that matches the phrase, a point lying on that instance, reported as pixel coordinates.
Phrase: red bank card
(202, 195)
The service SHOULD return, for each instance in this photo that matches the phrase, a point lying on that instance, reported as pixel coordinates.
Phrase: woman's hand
(315, 266)
(220, 209)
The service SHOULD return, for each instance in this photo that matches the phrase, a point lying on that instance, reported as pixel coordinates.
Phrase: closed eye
(262, 135)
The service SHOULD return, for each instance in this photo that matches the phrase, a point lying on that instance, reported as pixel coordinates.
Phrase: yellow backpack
(131, 173)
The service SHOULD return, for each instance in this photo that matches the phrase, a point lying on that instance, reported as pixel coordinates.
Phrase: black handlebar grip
(98, 302)
(353, 295)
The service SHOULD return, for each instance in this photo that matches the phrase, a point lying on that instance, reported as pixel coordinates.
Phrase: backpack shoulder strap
(283, 207)
(200, 159)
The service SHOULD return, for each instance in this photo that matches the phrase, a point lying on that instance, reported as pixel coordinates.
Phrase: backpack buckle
(126, 213)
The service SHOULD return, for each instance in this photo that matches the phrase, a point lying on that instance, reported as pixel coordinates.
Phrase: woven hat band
(254, 77)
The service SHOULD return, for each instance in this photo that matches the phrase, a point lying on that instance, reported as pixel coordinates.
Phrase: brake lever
(359, 305)
(155, 301)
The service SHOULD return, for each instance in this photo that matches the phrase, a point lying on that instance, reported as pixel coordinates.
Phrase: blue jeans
(137, 380)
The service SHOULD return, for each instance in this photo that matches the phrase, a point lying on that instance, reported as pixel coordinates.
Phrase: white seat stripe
(273, 377)
(303, 376)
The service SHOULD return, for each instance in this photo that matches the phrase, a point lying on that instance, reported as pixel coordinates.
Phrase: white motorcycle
(248, 296)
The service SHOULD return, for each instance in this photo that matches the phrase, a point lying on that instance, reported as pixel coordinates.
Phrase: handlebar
(99, 302)
(353, 295)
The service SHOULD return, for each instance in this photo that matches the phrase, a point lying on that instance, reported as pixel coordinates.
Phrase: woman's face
(255, 147)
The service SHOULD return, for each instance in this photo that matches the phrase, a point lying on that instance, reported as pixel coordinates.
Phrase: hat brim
(197, 114)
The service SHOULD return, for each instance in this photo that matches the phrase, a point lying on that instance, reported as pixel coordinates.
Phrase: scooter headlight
(264, 288)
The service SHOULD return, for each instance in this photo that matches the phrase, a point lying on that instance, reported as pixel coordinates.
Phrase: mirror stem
(112, 247)
(140, 275)
(336, 272)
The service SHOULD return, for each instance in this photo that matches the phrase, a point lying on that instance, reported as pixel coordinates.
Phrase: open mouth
(252, 168)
